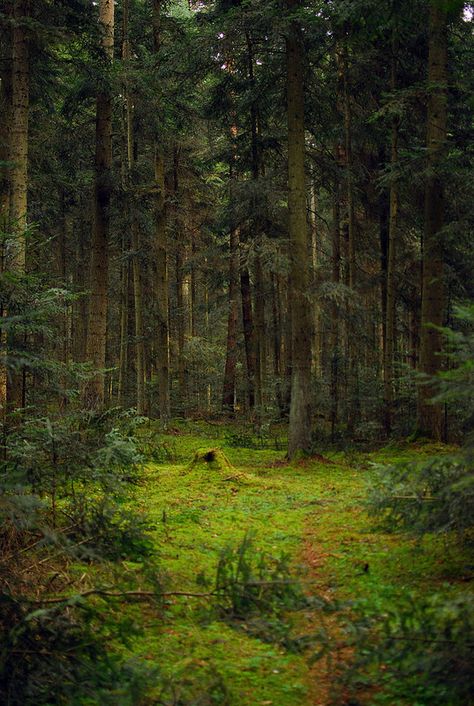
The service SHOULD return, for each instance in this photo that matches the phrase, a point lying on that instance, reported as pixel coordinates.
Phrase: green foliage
(436, 495)
(412, 649)
(249, 582)
(64, 491)
(260, 594)
(427, 496)
(238, 438)
(417, 651)
(56, 655)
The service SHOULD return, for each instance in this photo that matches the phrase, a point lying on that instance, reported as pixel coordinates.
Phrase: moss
(214, 459)
(312, 510)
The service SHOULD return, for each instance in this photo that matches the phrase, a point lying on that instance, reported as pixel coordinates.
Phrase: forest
(236, 353)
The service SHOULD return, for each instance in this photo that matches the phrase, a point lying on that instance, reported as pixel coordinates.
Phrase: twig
(153, 594)
(120, 594)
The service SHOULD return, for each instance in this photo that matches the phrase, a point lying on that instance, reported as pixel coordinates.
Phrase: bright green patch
(199, 508)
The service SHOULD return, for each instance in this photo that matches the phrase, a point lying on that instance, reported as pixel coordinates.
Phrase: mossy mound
(213, 459)
(215, 462)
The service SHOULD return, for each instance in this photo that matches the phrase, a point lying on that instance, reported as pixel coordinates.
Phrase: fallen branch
(154, 594)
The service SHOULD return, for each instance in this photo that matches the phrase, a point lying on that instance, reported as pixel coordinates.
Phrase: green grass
(313, 511)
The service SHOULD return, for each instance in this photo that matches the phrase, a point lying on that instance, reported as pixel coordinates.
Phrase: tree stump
(214, 459)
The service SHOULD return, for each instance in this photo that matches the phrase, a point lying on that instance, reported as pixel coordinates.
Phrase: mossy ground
(313, 510)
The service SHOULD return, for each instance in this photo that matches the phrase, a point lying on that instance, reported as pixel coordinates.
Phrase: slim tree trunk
(123, 349)
(135, 233)
(316, 343)
(259, 281)
(18, 143)
(336, 277)
(390, 302)
(97, 326)
(5, 122)
(161, 250)
(182, 287)
(299, 437)
(249, 334)
(277, 336)
(352, 381)
(228, 395)
(430, 416)
(260, 338)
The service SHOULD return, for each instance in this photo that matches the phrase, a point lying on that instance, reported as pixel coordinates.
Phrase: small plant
(417, 651)
(259, 593)
(239, 439)
(436, 495)
(55, 655)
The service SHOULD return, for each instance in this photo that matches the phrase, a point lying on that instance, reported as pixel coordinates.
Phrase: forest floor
(312, 512)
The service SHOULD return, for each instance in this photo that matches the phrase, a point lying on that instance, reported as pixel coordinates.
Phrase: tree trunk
(277, 336)
(249, 335)
(260, 338)
(336, 277)
(299, 436)
(124, 314)
(390, 302)
(430, 416)
(161, 250)
(258, 290)
(316, 343)
(228, 395)
(18, 142)
(5, 122)
(135, 233)
(97, 326)
(352, 376)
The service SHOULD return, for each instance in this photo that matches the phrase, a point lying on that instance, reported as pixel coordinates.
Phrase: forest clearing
(276, 623)
(236, 353)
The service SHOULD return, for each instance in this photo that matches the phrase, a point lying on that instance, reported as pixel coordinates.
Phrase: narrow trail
(312, 513)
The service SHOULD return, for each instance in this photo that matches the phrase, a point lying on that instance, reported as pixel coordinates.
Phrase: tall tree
(161, 252)
(430, 418)
(390, 300)
(18, 157)
(135, 233)
(97, 323)
(299, 438)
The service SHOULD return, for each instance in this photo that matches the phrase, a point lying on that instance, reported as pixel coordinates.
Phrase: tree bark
(5, 178)
(352, 376)
(390, 302)
(299, 436)
(97, 326)
(228, 395)
(249, 335)
(161, 255)
(18, 143)
(336, 277)
(135, 233)
(430, 415)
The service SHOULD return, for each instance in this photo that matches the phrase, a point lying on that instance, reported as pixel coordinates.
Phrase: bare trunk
(5, 122)
(161, 250)
(277, 335)
(260, 337)
(135, 233)
(316, 343)
(352, 375)
(94, 393)
(228, 395)
(299, 436)
(430, 416)
(123, 351)
(336, 276)
(249, 335)
(390, 305)
(18, 142)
